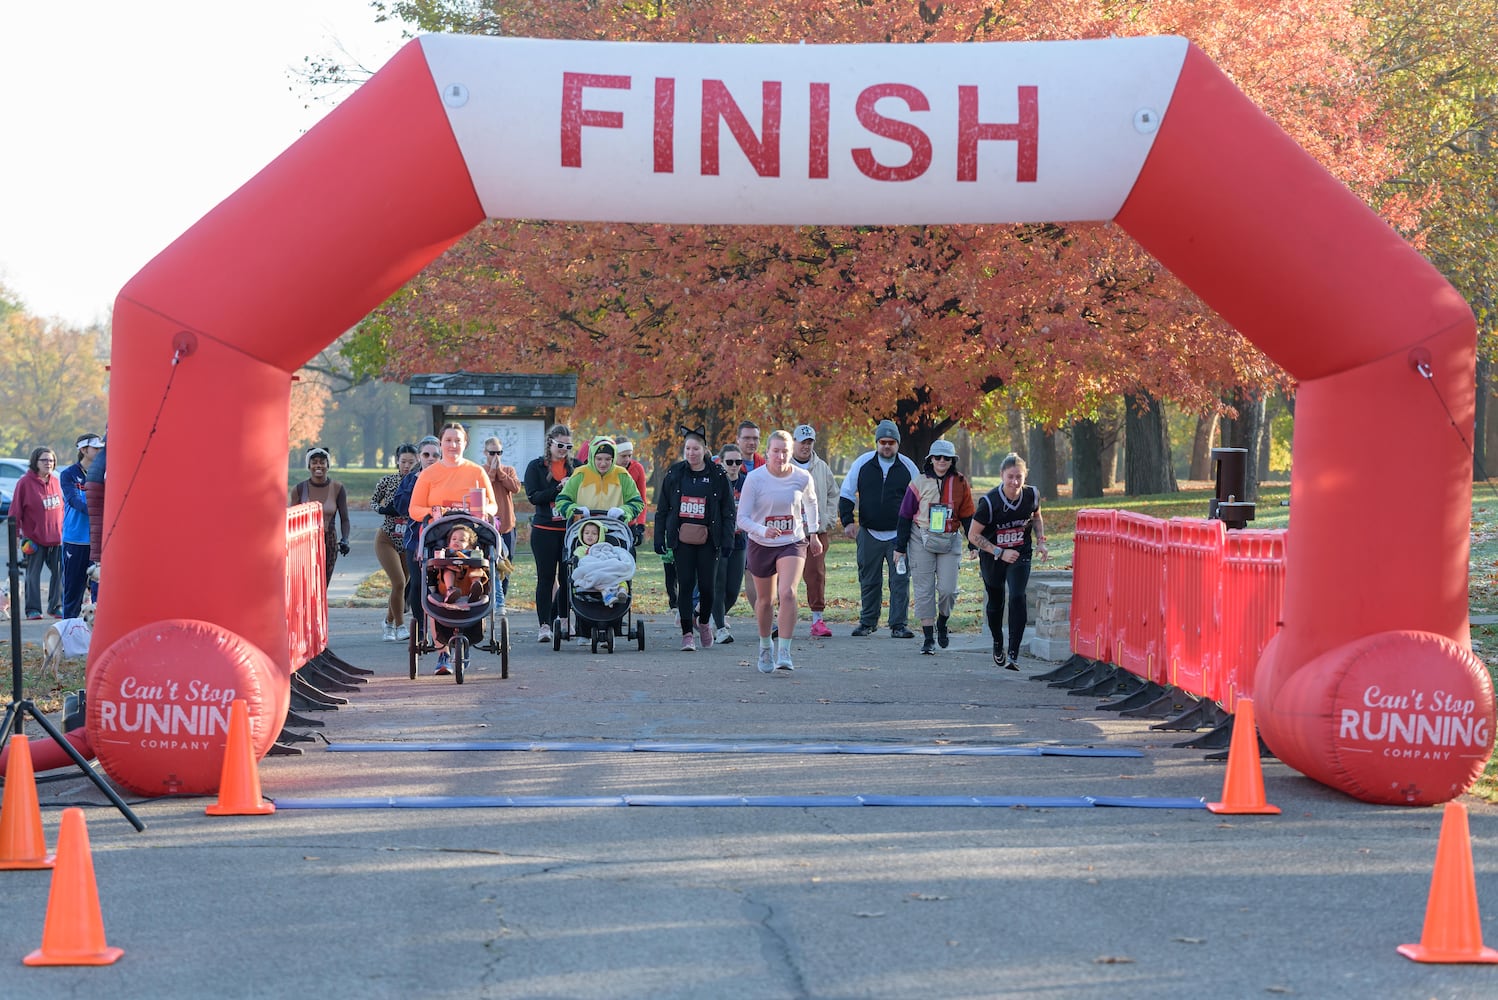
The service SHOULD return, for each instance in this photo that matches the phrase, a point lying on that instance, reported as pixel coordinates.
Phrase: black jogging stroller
(599, 613)
(459, 621)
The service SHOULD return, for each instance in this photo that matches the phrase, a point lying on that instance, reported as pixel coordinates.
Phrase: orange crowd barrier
(1183, 603)
(306, 592)
(1092, 585)
(1139, 596)
(1253, 600)
(1193, 604)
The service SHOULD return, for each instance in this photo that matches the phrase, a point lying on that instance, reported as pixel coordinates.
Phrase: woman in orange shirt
(445, 484)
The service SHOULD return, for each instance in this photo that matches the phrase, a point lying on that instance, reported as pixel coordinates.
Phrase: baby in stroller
(464, 579)
(460, 555)
(599, 567)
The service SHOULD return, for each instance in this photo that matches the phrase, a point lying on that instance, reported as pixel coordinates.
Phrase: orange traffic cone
(22, 844)
(74, 931)
(1243, 787)
(239, 783)
(1453, 930)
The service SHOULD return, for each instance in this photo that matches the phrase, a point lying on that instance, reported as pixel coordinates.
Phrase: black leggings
(728, 583)
(696, 566)
(546, 549)
(997, 577)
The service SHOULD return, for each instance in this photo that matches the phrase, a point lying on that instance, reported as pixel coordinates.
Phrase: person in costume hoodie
(600, 487)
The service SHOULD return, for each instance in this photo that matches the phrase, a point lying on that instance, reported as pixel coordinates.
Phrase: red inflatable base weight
(159, 704)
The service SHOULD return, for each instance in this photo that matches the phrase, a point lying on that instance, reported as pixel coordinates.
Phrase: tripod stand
(20, 706)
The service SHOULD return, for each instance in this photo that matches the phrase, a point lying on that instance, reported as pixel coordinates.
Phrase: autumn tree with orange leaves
(935, 326)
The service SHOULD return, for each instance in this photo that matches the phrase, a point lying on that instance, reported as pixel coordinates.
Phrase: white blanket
(602, 567)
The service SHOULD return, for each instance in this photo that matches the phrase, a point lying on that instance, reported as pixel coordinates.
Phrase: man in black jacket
(876, 484)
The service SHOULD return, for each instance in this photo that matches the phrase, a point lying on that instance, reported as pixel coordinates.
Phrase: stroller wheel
(593, 646)
(557, 635)
(611, 641)
(504, 649)
(459, 648)
(411, 653)
(640, 635)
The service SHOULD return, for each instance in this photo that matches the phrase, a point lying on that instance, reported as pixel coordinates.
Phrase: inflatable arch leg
(1382, 488)
(334, 226)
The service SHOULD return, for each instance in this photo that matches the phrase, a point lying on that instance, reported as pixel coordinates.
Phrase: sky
(122, 123)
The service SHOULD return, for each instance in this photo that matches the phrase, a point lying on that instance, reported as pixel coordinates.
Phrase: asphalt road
(798, 900)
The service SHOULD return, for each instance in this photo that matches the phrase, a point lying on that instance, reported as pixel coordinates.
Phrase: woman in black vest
(1001, 531)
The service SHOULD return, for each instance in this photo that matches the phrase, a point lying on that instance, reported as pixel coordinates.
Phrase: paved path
(816, 902)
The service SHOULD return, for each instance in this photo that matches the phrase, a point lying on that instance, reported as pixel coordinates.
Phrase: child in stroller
(465, 576)
(599, 568)
(460, 553)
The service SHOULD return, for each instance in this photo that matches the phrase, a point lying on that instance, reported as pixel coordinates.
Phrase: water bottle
(900, 563)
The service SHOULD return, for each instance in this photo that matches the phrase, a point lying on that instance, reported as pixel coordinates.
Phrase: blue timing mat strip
(773, 801)
(925, 749)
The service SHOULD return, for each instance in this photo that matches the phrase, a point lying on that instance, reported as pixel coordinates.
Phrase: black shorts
(763, 560)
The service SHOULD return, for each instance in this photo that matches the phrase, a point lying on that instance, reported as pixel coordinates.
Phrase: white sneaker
(402, 633)
(724, 637)
(783, 661)
(583, 640)
(389, 634)
(766, 660)
(543, 634)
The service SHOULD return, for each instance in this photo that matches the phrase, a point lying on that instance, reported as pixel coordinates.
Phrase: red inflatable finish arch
(1370, 686)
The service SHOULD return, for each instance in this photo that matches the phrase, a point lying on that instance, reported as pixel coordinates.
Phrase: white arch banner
(825, 134)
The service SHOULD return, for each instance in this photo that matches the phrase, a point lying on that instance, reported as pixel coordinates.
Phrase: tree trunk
(1244, 433)
(1147, 463)
(1017, 428)
(1201, 447)
(1087, 460)
(1266, 438)
(1043, 462)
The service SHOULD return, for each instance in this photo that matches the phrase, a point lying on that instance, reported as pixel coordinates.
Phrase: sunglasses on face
(559, 444)
(496, 454)
(941, 458)
(733, 461)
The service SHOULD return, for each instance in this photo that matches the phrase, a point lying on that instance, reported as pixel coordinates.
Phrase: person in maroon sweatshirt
(38, 508)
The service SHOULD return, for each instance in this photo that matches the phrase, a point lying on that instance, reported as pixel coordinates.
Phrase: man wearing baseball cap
(876, 483)
(804, 455)
(75, 531)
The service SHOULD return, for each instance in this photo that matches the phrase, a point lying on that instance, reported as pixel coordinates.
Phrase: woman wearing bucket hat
(934, 519)
(1001, 530)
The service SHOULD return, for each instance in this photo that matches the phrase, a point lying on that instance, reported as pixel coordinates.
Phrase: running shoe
(942, 638)
(402, 633)
(689, 643)
(1013, 663)
(443, 664)
(724, 637)
(389, 634)
(783, 661)
(819, 630)
(705, 635)
(543, 634)
(766, 660)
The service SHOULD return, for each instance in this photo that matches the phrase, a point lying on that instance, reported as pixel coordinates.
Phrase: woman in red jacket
(37, 508)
